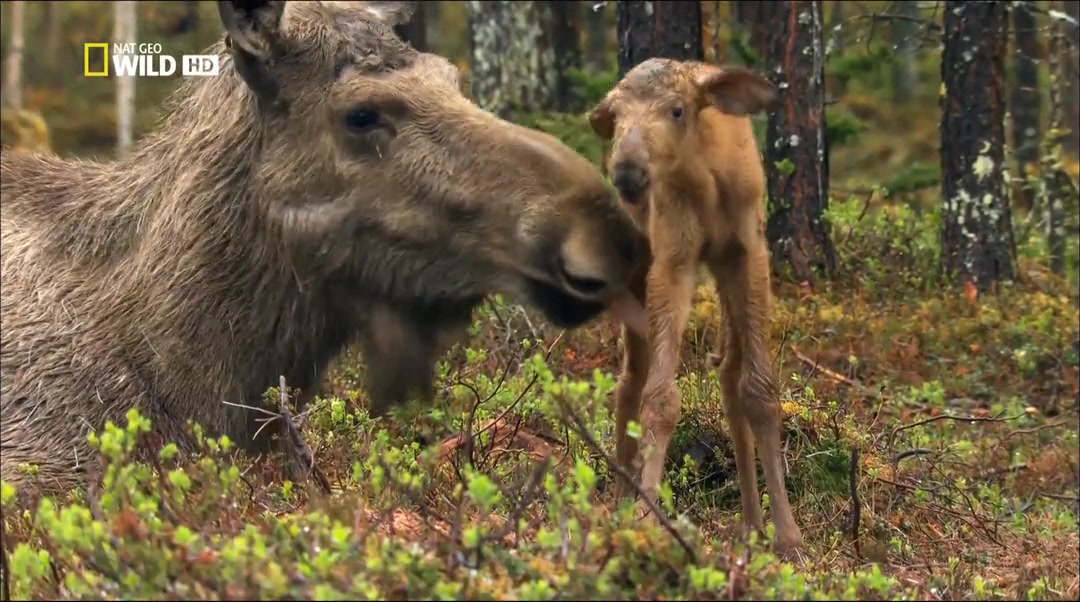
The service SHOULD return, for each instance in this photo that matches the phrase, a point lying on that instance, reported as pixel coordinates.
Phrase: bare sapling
(687, 167)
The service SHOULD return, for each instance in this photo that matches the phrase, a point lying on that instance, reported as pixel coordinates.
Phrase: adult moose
(332, 184)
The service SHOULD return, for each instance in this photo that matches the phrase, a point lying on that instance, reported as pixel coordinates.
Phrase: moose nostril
(582, 284)
(630, 180)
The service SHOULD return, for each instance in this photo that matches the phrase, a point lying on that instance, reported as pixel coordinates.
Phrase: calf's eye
(676, 113)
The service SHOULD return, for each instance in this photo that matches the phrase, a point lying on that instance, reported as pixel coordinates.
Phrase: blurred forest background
(923, 216)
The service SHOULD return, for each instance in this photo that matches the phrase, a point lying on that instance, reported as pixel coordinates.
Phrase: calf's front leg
(669, 294)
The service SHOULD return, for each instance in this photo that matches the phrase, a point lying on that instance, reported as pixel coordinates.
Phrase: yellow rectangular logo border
(86, 59)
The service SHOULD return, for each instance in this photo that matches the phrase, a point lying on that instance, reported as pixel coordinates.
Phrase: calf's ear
(736, 90)
(602, 119)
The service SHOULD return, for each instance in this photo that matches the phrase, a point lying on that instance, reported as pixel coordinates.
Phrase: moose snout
(631, 180)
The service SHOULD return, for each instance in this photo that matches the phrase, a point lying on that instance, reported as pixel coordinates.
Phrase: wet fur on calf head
(328, 173)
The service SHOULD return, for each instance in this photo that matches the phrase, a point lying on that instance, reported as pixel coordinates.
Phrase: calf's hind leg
(751, 390)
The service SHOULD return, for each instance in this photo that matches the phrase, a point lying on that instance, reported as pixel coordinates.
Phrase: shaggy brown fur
(685, 161)
(331, 185)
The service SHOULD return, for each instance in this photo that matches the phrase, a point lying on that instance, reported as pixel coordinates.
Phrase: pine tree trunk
(796, 154)
(669, 29)
(596, 26)
(1025, 97)
(904, 32)
(124, 31)
(977, 238)
(510, 64)
(13, 68)
(566, 49)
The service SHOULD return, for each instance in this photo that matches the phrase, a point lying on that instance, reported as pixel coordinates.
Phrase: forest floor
(963, 411)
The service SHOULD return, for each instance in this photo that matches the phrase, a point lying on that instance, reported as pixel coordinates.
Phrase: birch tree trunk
(977, 237)
(124, 30)
(1026, 99)
(796, 152)
(13, 68)
(509, 61)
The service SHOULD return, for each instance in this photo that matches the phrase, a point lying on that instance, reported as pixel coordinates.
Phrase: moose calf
(686, 165)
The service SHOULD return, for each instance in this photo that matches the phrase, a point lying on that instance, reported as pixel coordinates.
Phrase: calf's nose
(631, 181)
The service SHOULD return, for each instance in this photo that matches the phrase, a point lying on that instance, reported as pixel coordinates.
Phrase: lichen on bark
(977, 238)
(510, 62)
(796, 153)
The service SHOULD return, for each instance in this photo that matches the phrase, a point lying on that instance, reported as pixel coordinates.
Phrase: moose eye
(361, 119)
(676, 113)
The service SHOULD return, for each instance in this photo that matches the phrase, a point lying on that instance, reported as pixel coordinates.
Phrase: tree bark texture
(1054, 180)
(596, 27)
(796, 153)
(415, 31)
(566, 48)
(904, 33)
(1071, 76)
(977, 238)
(1026, 99)
(509, 61)
(13, 68)
(669, 29)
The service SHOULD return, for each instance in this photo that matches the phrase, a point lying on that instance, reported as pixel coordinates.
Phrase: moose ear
(736, 90)
(392, 13)
(253, 29)
(602, 119)
(252, 26)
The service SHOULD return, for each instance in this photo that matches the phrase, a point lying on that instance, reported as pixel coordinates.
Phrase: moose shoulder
(331, 185)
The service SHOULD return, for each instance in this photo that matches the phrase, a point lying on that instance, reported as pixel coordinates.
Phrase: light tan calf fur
(685, 161)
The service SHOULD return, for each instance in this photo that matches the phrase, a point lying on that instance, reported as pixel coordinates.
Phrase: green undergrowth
(961, 413)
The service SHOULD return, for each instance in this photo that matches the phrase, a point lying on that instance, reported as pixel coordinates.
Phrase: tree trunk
(904, 32)
(596, 25)
(834, 37)
(1054, 180)
(415, 31)
(717, 56)
(752, 32)
(977, 238)
(52, 32)
(509, 63)
(433, 32)
(796, 152)
(566, 49)
(124, 30)
(669, 29)
(1026, 99)
(1071, 76)
(13, 68)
